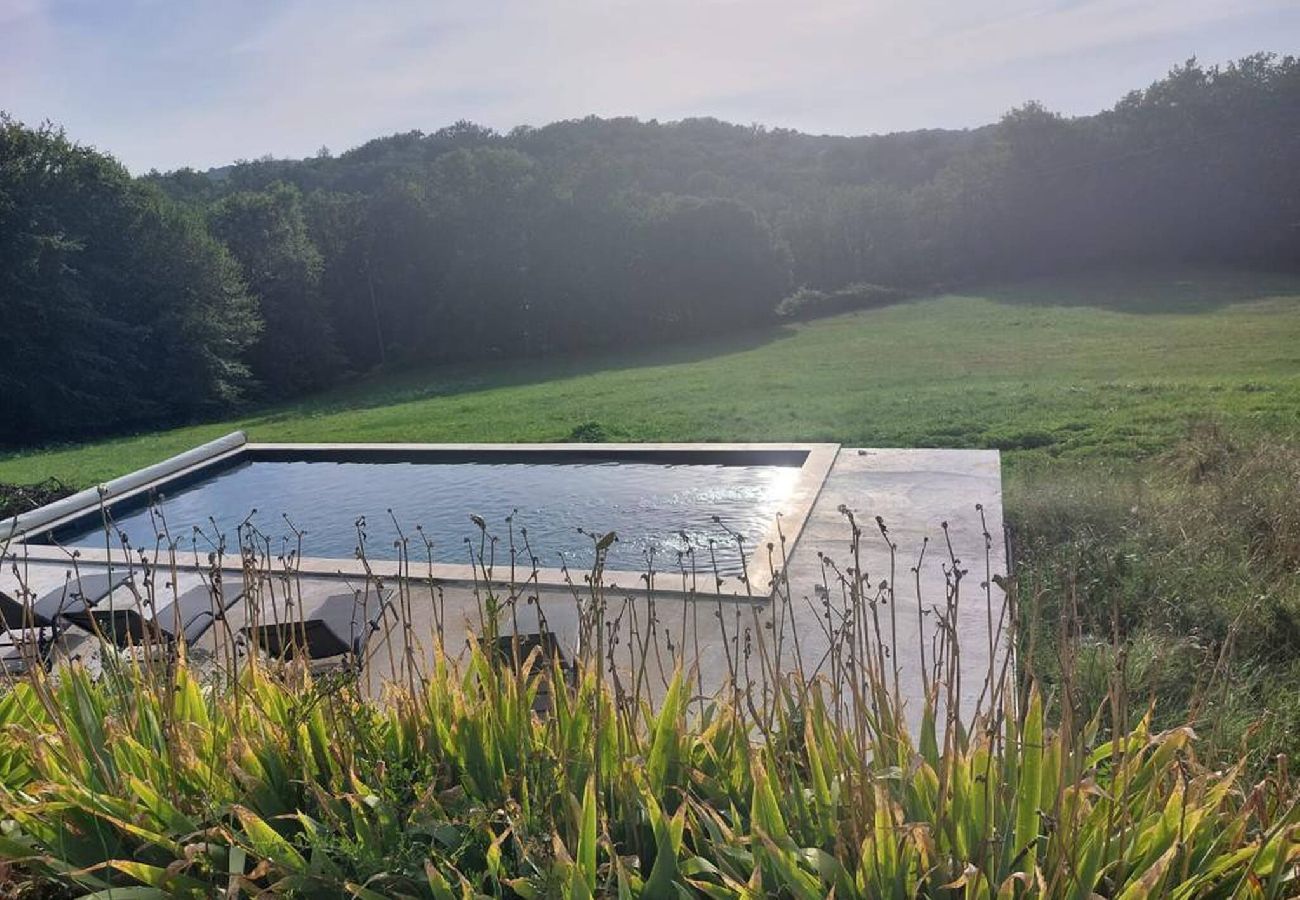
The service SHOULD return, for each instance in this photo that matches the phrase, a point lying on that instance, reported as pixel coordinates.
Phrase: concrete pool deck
(914, 491)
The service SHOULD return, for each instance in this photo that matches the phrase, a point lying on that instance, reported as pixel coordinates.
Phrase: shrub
(807, 303)
(588, 433)
(277, 786)
(21, 498)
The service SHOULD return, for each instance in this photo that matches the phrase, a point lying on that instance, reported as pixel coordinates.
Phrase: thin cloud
(165, 85)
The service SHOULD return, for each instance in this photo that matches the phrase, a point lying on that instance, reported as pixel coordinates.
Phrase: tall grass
(1186, 575)
(500, 776)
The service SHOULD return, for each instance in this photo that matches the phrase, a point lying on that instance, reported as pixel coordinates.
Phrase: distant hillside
(688, 156)
(275, 278)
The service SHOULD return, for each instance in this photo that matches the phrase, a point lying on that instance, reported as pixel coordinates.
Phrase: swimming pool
(656, 510)
(669, 504)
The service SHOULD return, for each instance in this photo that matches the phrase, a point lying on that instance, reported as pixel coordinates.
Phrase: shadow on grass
(1149, 291)
(395, 386)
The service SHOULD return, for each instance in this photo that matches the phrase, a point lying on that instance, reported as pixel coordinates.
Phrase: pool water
(650, 506)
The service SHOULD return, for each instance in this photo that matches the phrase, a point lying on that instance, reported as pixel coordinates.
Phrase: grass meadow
(1089, 368)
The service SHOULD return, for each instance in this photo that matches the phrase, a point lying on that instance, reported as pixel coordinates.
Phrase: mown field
(1087, 368)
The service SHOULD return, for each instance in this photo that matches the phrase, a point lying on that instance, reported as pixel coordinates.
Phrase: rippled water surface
(663, 507)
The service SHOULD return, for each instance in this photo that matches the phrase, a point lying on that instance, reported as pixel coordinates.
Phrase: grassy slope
(1098, 367)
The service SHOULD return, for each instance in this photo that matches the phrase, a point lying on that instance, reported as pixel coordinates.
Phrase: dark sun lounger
(28, 637)
(36, 626)
(126, 622)
(340, 627)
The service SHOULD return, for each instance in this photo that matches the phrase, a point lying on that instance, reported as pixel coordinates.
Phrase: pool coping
(817, 462)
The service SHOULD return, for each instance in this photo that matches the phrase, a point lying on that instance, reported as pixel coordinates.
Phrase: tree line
(129, 302)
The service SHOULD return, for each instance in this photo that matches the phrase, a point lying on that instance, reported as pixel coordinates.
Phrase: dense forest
(127, 302)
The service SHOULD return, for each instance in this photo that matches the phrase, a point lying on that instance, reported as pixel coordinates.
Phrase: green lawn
(1090, 367)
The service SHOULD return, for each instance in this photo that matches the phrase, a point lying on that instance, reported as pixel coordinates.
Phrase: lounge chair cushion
(16, 615)
(20, 645)
(76, 596)
(342, 624)
(190, 616)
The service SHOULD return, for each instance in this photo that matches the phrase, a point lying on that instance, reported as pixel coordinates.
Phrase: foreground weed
(527, 776)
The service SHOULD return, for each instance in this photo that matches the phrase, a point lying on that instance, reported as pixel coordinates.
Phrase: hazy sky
(166, 83)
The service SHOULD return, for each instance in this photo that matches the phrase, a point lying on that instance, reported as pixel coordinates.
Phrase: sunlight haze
(201, 84)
